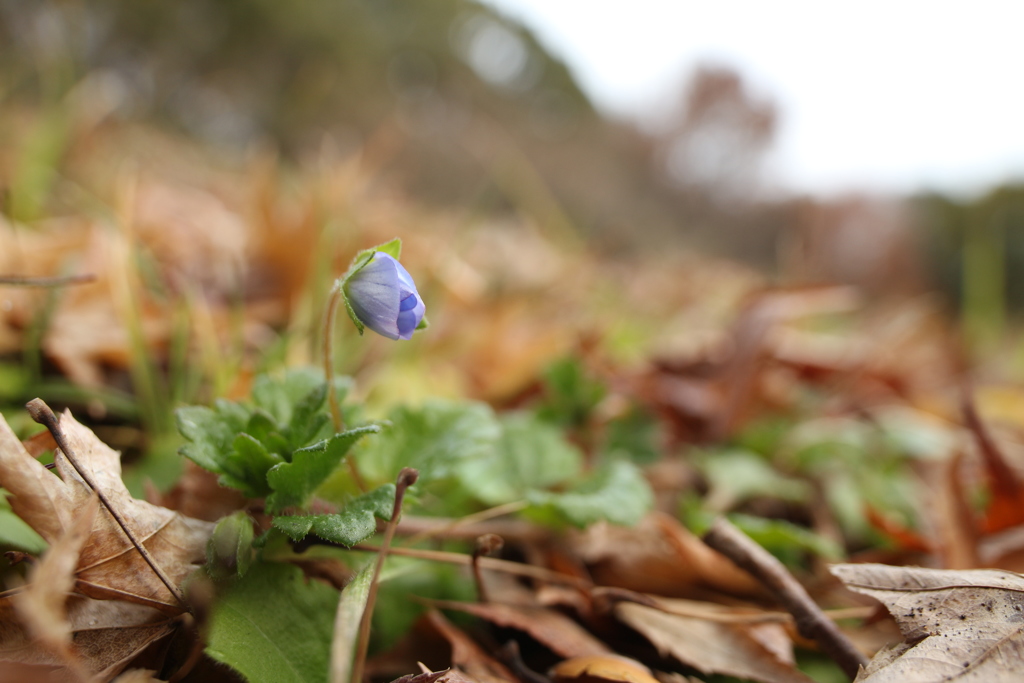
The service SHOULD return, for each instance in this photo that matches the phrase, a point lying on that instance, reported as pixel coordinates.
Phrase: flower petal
(374, 293)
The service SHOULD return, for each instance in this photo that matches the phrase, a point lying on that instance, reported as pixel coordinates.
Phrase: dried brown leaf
(467, 655)
(109, 566)
(958, 625)
(41, 604)
(710, 646)
(660, 556)
(612, 668)
(106, 635)
(556, 631)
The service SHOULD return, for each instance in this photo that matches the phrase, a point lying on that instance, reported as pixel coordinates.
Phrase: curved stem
(332, 390)
(328, 356)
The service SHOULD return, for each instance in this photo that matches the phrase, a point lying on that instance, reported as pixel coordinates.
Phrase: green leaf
(529, 455)
(274, 626)
(570, 393)
(739, 475)
(295, 482)
(15, 533)
(210, 433)
(786, 540)
(346, 622)
(354, 524)
(617, 493)
(246, 466)
(307, 419)
(283, 397)
(242, 442)
(229, 551)
(434, 438)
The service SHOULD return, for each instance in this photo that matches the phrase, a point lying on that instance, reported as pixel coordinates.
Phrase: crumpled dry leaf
(958, 625)
(710, 646)
(552, 629)
(107, 634)
(41, 604)
(109, 566)
(661, 556)
(466, 654)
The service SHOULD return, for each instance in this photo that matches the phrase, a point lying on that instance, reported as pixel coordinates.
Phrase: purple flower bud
(384, 297)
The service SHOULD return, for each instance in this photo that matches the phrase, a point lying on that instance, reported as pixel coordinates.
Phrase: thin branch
(811, 622)
(406, 478)
(64, 281)
(485, 545)
(42, 414)
(490, 563)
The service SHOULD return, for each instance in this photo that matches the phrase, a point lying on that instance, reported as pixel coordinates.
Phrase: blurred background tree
(454, 104)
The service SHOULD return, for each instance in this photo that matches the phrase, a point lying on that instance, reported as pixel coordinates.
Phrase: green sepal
(392, 248)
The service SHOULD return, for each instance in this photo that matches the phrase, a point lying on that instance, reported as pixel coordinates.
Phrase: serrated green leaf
(210, 433)
(282, 396)
(617, 493)
(307, 419)
(274, 626)
(354, 524)
(247, 465)
(295, 482)
(434, 438)
(530, 455)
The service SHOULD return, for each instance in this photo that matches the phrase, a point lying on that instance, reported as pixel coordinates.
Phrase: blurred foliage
(449, 100)
(975, 251)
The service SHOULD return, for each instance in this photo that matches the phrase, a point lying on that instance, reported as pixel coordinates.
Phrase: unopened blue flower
(383, 297)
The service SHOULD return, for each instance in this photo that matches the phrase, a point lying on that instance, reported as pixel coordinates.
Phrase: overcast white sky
(891, 95)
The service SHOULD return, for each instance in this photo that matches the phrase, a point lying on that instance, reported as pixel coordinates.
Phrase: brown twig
(485, 545)
(489, 563)
(18, 281)
(42, 414)
(811, 621)
(406, 478)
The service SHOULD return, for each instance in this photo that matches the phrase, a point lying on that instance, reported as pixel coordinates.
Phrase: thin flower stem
(406, 478)
(328, 354)
(332, 390)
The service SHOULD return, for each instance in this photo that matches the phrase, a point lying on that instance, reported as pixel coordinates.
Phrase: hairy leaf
(295, 482)
(355, 523)
(274, 626)
(241, 441)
